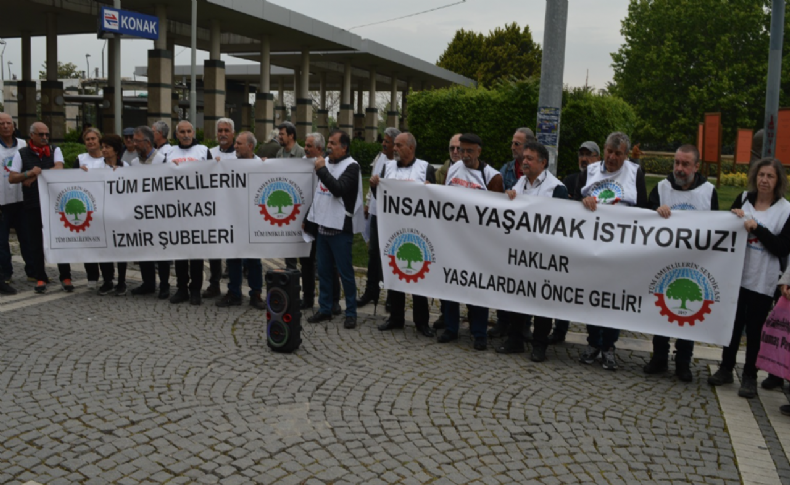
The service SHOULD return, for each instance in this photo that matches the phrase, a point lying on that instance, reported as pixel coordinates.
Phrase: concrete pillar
(171, 46)
(372, 112)
(160, 87)
(10, 102)
(359, 115)
(345, 117)
(26, 93)
(322, 120)
(52, 106)
(392, 114)
(246, 109)
(280, 109)
(213, 85)
(72, 111)
(264, 100)
(304, 105)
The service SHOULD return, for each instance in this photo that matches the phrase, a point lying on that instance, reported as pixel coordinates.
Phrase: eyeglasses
(516, 143)
(468, 150)
(42, 135)
(455, 149)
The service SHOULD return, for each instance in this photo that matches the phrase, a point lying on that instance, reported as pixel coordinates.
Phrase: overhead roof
(242, 23)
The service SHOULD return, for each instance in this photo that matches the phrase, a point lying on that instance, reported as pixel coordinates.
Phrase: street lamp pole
(9, 70)
(88, 62)
(2, 73)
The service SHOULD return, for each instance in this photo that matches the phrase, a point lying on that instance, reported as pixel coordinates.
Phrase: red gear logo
(699, 316)
(279, 222)
(76, 227)
(420, 274)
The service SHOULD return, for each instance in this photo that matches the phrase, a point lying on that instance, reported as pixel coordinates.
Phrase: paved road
(133, 390)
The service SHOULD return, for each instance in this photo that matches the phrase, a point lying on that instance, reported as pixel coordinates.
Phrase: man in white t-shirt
(26, 166)
(11, 207)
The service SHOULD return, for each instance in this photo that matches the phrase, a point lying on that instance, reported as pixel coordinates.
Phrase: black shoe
(211, 292)
(350, 322)
(194, 298)
(447, 336)
(426, 330)
(772, 382)
(256, 301)
(143, 290)
(683, 371)
(106, 288)
(180, 296)
(556, 338)
(306, 304)
(439, 324)
(511, 346)
(229, 300)
(164, 292)
(722, 376)
(538, 353)
(656, 365)
(336, 310)
(120, 289)
(318, 317)
(391, 324)
(480, 343)
(365, 299)
(748, 387)
(7, 289)
(499, 330)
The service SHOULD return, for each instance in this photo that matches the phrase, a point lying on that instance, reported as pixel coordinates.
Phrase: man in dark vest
(25, 168)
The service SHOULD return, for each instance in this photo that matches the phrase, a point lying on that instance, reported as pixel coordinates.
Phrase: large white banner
(616, 267)
(208, 209)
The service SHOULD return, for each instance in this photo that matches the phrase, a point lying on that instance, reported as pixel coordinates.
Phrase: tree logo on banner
(279, 200)
(410, 255)
(684, 293)
(606, 192)
(76, 207)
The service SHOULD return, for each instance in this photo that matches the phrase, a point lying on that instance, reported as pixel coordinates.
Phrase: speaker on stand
(283, 317)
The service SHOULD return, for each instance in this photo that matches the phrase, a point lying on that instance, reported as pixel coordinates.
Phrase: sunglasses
(455, 149)
(42, 135)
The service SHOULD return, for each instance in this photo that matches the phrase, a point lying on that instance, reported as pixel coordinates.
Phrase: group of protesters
(339, 211)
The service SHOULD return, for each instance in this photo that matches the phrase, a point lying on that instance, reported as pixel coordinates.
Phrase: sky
(593, 33)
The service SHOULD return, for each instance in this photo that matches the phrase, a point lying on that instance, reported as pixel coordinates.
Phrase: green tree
(410, 253)
(685, 290)
(279, 199)
(683, 58)
(606, 195)
(65, 71)
(75, 207)
(505, 53)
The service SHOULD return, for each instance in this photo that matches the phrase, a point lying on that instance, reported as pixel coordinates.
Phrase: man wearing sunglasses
(455, 155)
(27, 165)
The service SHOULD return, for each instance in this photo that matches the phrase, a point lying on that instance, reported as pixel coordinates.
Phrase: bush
(663, 166)
(72, 136)
(70, 151)
(364, 153)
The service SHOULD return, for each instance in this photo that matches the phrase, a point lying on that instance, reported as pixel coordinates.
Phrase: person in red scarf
(27, 165)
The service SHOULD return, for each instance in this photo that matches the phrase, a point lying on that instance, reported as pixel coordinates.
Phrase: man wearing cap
(614, 180)
(129, 152)
(475, 174)
(588, 153)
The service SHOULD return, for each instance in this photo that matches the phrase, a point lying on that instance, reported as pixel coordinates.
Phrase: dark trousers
(602, 338)
(215, 271)
(92, 270)
(752, 310)
(374, 261)
(478, 319)
(186, 268)
(36, 237)
(108, 272)
(684, 349)
(148, 272)
(518, 321)
(308, 275)
(13, 216)
(561, 327)
(335, 251)
(236, 275)
(398, 308)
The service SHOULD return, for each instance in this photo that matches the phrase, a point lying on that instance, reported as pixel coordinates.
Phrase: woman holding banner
(766, 215)
(93, 158)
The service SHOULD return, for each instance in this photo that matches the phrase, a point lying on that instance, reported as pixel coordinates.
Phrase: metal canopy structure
(243, 22)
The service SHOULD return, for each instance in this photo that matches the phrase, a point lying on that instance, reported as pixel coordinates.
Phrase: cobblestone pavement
(133, 390)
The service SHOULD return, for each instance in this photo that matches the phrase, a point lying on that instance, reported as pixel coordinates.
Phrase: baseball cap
(128, 132)
(592, 146)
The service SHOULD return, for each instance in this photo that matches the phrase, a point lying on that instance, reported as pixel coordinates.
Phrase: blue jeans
(236, 274)
(602, 338)
(478, 319)
(334, 251)
(14, 216)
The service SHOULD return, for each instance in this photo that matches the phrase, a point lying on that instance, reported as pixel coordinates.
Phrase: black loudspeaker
(283, 317)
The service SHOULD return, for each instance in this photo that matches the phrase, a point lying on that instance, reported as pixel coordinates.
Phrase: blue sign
(124, 22)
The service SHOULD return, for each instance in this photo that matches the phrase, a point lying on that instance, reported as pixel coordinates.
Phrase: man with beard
(287, 139)
(684, 189)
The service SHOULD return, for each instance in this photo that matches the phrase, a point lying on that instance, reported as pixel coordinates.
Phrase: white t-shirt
(86, 160)
(157, 158)
(217, 152)
(165, 149)
(128, 156)
(16, 164)
(10, 193)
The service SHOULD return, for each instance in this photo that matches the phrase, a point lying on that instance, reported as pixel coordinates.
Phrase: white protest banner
(616, 267)
(206, 209)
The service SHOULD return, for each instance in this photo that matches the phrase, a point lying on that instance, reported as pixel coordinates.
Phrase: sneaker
(106, 288)
(772, 382)
(683, 371)
(511, 346)
(212, 291)
(7, 289)
(229, 300)
(350, 322)
(480, 343)
(589, 355)
(67, 286)
(180, 296)
(120, 289)
(538, 353)
(41, 287)
(657, 365)
(92, 284)
(608, 360)
(748, 387)
(722, 376)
